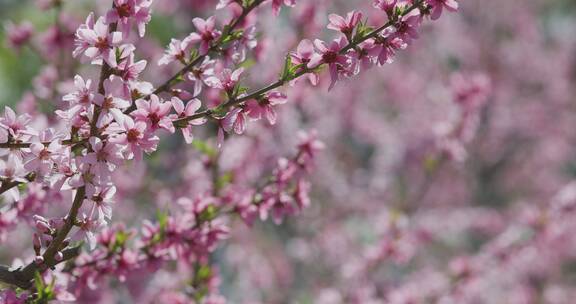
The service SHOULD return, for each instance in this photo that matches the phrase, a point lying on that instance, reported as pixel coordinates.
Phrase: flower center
(102, 43)
(197, 73)
(402, 27)
(154, 118)
(85, 99)
(330, 57)
(133, 135)
(98, 199)
(108, 103)
(180, 56)
(124, 10)
(44, 154)
(207, 36)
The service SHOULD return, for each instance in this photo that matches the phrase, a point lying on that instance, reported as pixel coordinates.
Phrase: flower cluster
(107, 125)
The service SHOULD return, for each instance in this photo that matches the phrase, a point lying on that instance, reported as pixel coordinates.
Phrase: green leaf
(204, 148)
(39, 283)
(121, 239)
(362, 30)
(162, 220)
(208, 214)
(204, 272)
(193, 54)
(288, 71)
(224, 180)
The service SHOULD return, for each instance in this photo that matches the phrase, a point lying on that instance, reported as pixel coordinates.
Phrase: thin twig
(281, 82)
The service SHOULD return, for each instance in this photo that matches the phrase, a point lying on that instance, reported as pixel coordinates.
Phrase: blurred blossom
(169, 152)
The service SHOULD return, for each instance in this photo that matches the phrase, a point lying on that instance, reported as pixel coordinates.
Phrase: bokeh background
(403, 210)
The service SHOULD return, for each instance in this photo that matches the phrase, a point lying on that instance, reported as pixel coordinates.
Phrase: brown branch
(8, 184)
(280, 82)
(21, 279)
(20, 145)
(198, 59)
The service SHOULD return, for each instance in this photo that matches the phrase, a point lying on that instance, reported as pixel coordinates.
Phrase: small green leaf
(224, 180)
(204, 148)
(431, 163)
(39, 282)
(203, 273)
(162, 220)
(208, 214)
(288, 70)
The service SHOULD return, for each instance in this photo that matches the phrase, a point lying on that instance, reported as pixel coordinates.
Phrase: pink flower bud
(42, 227)
(39, 260)
(59, 256)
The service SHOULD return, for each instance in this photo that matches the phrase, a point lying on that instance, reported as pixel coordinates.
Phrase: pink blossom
(225, 80)
(88, 227)
(438, 5)
(8, 220)
(387, 6)
(18, 35)
(330, 54)
(223, 3)
(206, 34)
(103, 199)
(470, 91)
(127, 262)
(407, 27)
(134, 136)
(43, 157)
(346, 26)
(96, 42)
(247, 41)
(115, 99)
(200, 73)
(154, 113)
(235, 120)
(84, 94)
(17, 126)
(302, 194)
(13, 170)
(245, 206)
(308, 147)
(176, 51)
(186, 111)
(125, 12)
(390, 44)
(367, 54)
(302, 56)
(105, 156)
(264, 106)
(130, 70)
(276, 5)
(183, 203)
(86, 177)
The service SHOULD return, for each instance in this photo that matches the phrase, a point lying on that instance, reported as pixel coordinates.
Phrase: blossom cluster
(109, 123)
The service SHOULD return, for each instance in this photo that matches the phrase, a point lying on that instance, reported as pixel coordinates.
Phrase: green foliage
(362, 30)
(289, 70)
(208, 214)
(44, 293)
(224, 180)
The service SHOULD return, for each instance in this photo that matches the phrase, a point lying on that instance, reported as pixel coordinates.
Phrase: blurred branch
(22, 277)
